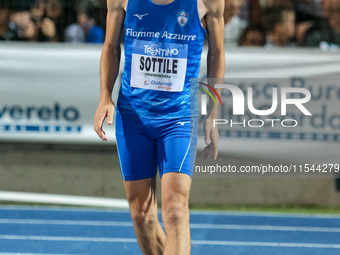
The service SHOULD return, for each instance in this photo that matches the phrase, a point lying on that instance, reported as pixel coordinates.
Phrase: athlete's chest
(179, 16)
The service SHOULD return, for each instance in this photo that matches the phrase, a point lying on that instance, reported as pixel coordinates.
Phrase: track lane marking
(192, 226)
(197, 242)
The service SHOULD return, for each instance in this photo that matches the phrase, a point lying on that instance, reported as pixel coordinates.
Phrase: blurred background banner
(49, 93)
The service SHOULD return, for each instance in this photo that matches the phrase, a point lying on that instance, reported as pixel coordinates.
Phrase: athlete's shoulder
(213, 6)
(113, 5)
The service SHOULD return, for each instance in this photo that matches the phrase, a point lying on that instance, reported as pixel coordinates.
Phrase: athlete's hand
(104, 110)
(211, 139)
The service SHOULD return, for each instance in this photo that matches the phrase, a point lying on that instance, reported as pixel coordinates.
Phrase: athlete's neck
(162, 2)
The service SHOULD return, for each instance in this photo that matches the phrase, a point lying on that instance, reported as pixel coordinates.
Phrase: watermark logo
(239, 99)
(204, 97)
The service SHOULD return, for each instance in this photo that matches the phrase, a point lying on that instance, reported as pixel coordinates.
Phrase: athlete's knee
(144, 219)
(175, 213)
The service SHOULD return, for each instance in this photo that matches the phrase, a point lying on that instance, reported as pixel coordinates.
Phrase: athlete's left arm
(216, 65)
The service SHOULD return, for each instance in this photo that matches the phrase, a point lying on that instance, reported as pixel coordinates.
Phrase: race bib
(158, 65)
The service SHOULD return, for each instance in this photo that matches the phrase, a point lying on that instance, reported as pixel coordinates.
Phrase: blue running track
(49, 230)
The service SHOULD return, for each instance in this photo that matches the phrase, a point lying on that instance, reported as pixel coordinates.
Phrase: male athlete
(155, 125)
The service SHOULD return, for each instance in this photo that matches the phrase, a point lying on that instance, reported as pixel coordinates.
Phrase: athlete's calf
(175, 213)
(143, 206)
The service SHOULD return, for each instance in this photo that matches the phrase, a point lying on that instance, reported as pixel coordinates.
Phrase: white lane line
(69, 238)
(197, 242)
(63, 199)
(264, 227)
(192, 212)
(192, 226)
(266, 214)
(270, 244)
(67, 222)
(54, 208)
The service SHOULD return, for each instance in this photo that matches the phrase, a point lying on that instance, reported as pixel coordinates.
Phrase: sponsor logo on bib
(146, 81)
(158, 65)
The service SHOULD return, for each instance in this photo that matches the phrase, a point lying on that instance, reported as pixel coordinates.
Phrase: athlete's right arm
(109, 64)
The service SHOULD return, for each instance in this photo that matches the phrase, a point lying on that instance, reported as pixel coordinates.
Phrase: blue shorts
(145, 144)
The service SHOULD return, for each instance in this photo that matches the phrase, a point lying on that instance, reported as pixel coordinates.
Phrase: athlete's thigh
(141, 195)
(176, 148)
(175, 187)
(136, 151)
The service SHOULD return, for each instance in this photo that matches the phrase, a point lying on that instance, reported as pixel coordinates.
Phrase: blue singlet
(163, 47)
